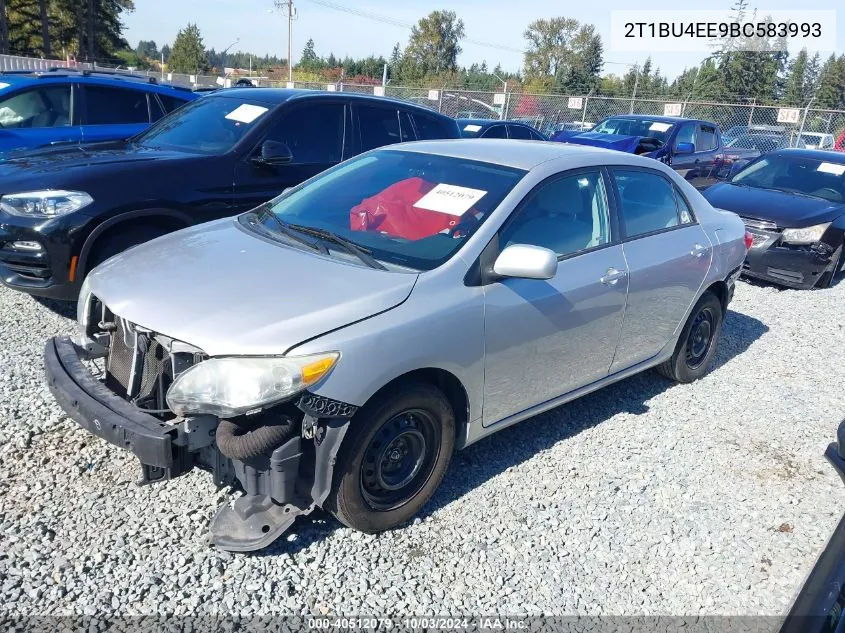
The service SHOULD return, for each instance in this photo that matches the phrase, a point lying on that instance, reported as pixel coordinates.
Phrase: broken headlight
(808, 235)
(228, 387)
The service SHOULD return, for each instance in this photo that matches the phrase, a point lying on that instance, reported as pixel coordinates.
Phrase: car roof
(70, 75)
(658, 117)
(521, 154)
(278, 96)
(817, 154)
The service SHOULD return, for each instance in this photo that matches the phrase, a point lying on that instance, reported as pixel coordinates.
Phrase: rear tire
(697, 344)
(395, 455)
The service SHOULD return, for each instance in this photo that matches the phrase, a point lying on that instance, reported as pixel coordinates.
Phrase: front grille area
(138, 367)
(761, 225)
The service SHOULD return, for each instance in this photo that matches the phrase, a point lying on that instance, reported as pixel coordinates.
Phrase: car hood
(227, 291)
(784, 209)
(619, 142)
(53, 166)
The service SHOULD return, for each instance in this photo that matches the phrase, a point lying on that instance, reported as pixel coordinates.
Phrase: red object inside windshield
(392, 211)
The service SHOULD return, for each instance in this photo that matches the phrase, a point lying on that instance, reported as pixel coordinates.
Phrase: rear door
(316, 133)
(668, 256)
(699, 166)
(113, 112)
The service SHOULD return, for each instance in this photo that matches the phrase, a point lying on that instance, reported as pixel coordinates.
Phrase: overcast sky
(497, 22)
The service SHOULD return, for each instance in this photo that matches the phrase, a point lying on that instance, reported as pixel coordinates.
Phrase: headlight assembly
(228, 387)
(44, 204)
(808, 235)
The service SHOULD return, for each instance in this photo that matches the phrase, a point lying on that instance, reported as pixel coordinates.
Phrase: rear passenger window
(536, 136)
(112, 106)
(648, 202)
(519, 132)
(431, 127)
(313, 132)
(683, 208)
(495, 131)
(378, 127)
(170, 103)
(705, 140)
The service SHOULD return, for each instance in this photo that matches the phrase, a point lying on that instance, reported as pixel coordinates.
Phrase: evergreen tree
(796, 79)
(188, 55)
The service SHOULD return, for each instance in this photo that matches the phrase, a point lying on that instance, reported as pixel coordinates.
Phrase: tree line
(562, 55)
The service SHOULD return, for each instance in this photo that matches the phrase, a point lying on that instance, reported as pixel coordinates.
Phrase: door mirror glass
(274, 153)
(524, 261)
(684, 148)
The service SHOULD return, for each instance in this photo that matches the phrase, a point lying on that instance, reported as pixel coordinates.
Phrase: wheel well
(720, 289)
(162, 223)
(447, 382)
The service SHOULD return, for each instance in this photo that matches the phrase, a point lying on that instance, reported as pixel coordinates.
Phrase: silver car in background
(335, 346)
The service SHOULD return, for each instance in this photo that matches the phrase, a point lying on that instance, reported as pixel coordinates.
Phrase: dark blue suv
(68, 106)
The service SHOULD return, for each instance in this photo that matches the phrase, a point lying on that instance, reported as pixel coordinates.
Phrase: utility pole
(288, 4)
(636, 83)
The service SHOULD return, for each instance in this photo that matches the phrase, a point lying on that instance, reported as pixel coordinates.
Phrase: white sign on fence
(291, 85)
(575, 103)
(672, 109)
(169, 76)
(378, 91)
(433, 95)
(192, 79)
(499, 98)
(789, 115)
(331, 87)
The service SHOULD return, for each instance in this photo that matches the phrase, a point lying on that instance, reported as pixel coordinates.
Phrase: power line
(384, 19)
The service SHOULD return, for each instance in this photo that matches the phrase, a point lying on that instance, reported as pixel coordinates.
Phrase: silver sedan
(335, 346)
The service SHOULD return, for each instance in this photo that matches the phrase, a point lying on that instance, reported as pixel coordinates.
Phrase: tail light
(749, 241)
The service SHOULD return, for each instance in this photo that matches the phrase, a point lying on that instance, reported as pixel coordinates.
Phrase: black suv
(64, 210)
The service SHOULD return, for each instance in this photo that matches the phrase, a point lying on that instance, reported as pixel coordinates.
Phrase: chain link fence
(547, 112)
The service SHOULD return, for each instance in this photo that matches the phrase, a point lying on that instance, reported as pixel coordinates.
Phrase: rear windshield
(208, 125)
(409, 209)
(801, 175)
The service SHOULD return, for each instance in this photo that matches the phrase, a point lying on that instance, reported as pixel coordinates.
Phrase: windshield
(759, 142)
(408, 209)
(209, 125)
(796, 174)
(635, 127)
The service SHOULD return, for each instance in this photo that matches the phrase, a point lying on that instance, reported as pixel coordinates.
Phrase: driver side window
(48, 106)
(314, 133)
(686, 134)
(566, 215)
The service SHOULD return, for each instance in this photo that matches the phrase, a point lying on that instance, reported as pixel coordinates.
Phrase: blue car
(691, 147)
(69, 106)
(493, 128)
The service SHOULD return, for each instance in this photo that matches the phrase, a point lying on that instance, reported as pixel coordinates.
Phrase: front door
(545, 338)
(668, 256)
(315, 132)
(699, 166)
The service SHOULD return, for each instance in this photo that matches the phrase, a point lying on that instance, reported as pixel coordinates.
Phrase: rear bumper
(102, 413)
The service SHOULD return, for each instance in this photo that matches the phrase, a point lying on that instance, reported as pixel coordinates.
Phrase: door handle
(612, 276)
(698, 250)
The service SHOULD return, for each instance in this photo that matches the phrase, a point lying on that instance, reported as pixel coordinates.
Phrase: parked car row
(283, 339)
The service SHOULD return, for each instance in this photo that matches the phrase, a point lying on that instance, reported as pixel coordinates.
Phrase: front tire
(829, 276)
(395, 455)
(697, 344)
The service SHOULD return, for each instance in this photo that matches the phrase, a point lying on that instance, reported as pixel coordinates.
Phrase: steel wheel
(399, 459)
(700, 338)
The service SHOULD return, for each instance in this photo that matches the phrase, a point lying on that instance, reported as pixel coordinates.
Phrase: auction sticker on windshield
(659, 127)
(832, 168)
(450, 199)
(3, 85)
(246, 113)
(472, 128)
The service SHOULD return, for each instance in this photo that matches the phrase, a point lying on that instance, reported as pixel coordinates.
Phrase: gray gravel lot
(645, 498)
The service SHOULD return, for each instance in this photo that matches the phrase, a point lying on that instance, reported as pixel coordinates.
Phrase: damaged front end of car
(250, 421)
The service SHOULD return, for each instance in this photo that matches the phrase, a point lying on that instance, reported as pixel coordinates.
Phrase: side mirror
(684, 148)
(524, 261)
(274, 153)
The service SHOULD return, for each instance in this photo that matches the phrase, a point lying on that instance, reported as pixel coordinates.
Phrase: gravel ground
(645, 498)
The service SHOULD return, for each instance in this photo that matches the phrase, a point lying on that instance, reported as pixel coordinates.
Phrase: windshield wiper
(285, 229)
(364, 254)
